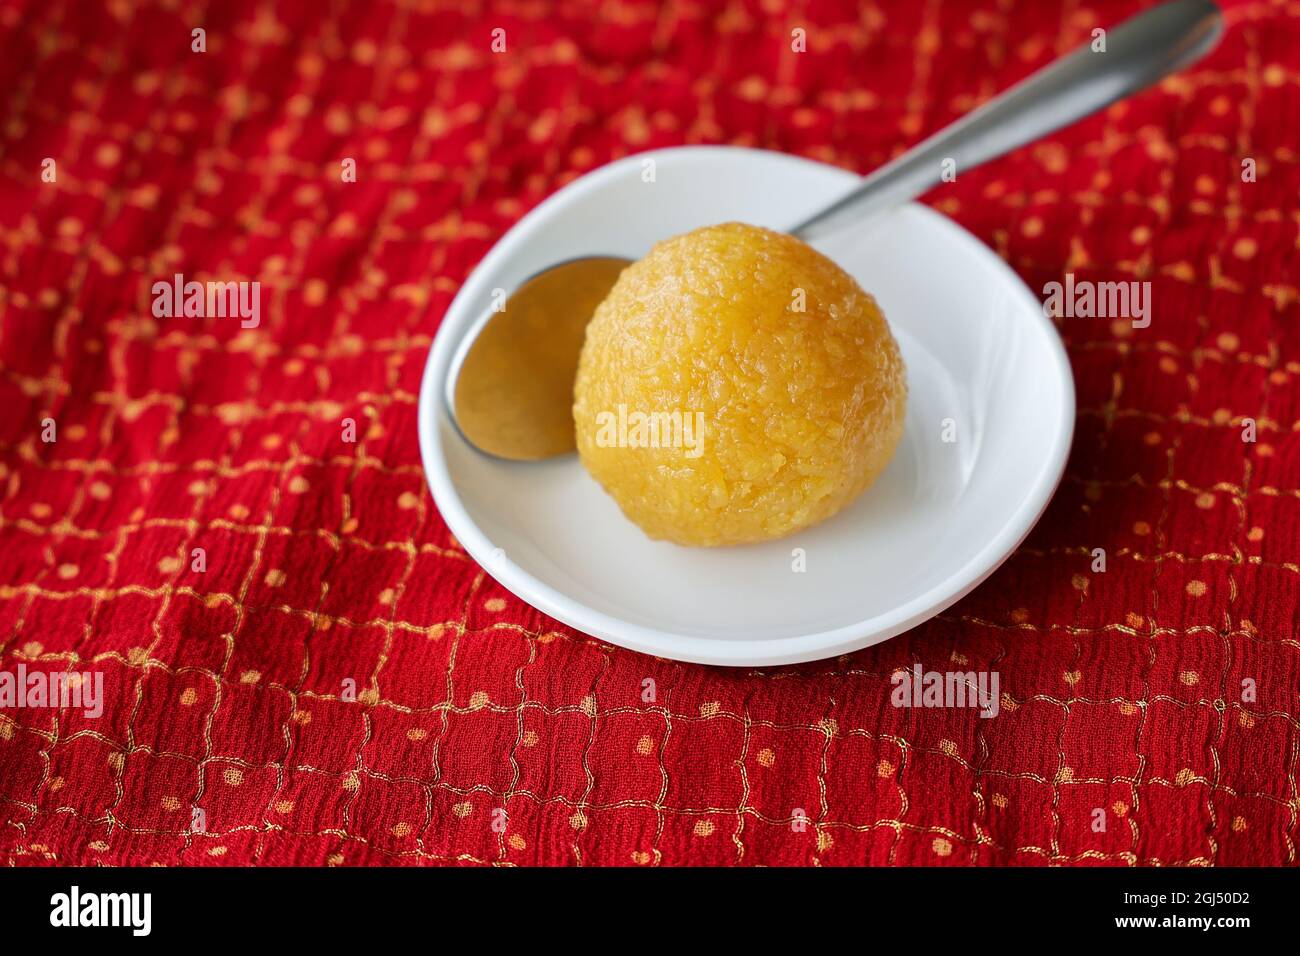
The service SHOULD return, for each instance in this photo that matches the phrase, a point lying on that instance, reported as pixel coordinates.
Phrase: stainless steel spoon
(510, 389)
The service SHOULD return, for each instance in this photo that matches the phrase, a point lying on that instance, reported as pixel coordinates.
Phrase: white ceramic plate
(942, 517)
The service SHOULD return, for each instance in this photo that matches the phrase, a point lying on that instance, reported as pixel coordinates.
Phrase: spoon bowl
(511, 389)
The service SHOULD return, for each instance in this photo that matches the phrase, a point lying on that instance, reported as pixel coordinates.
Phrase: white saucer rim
(812, 646)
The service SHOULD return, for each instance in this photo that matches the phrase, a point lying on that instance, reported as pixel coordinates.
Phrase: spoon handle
(1138, 52)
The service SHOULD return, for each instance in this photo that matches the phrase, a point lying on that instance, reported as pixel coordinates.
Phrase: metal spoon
(510, 389)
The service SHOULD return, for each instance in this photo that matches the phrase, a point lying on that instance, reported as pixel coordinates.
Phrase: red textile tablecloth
(229, 733)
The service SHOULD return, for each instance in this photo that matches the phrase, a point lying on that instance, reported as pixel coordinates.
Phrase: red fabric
(326, 560)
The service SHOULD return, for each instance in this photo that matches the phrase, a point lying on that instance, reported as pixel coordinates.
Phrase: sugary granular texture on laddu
(788, 363)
